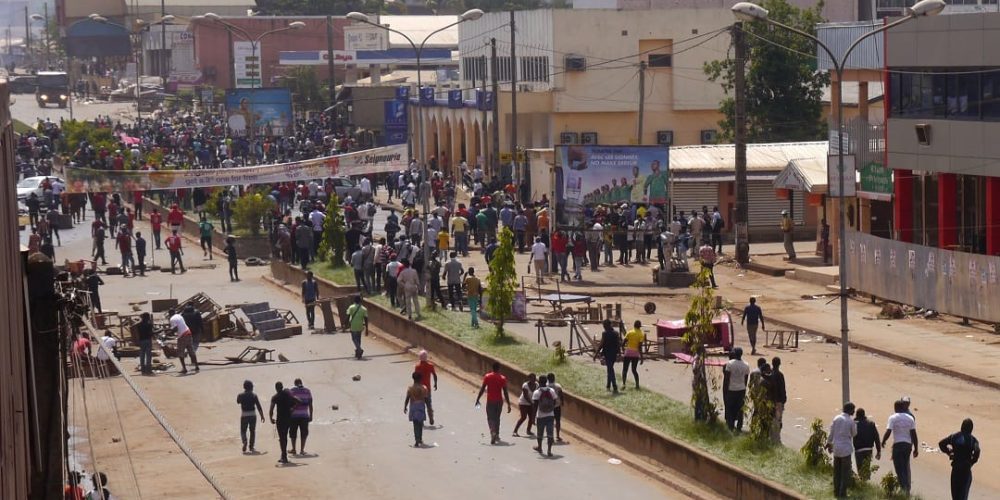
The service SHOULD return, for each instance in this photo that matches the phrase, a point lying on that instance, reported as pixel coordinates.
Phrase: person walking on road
(453, 272)
(787, 228)
(608, 349)
(963, 450)
(473, 290)
(545, 400)
(753, 316)
(734, 384)
(415, 407)
(284, 402)
(302, 414)
(865, 441)
(539, 253)
(557, 413)
(526, 406)
(140, 254)
(248, 401)
(495, 387)
(185, 341)
(427, 375)
(174, 246)
(231, 256)
(840, 442)
(633, 341)
(310, 294)
(205, 229)
(357, 317)
(903, 429)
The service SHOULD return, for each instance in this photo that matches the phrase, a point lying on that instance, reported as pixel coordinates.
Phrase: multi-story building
(944, 118)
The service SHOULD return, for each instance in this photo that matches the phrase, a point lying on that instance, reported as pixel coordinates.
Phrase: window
(660, 60)
(955, 93)
(474, 68)
(534, 68)
(503, 69)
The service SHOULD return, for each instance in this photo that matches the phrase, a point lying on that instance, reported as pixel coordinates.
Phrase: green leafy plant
(332, 246)
(250, 210)
(866, 469)
(814, 450)
(762, 413)
(890, 485)
(700, 331)
(559, 356)
(502, 280)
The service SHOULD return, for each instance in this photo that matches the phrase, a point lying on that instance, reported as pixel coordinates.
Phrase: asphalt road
(24, 108)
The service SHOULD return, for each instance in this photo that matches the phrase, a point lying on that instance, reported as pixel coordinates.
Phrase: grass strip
(673, 418)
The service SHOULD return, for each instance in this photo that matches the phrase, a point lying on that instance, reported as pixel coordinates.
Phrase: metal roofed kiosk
(746, 11)
(469, 15)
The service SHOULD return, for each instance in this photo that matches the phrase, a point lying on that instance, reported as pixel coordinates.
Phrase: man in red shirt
(175, 218)
(559, 241)
(495, 387)
(174, 245)
(155, 221)
(426, 370)
(137, 202)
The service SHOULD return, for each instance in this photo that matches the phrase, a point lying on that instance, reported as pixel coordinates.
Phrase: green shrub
(814, 450)
(502, 280)
(250, 210)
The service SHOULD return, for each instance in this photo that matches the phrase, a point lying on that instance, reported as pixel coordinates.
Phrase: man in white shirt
(185, 340)
(109, 344)
(734, 389)
(409, 282)
(545, 399)
(841, 443)
(366, 188)
(903, 429)
(538, 254)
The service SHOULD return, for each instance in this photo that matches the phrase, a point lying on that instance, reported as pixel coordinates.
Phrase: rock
(334, 407)
(115, 440)
(282, 358)
(356, 378)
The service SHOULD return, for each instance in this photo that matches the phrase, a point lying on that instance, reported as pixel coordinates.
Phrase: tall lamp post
(254, 40)
(469, 15)
(746, 11)
(44, 19)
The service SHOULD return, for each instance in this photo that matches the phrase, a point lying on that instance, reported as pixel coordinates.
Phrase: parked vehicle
(23, 84)
(33, 185)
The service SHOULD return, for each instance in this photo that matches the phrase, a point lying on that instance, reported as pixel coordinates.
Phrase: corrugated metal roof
(803, 174)
(760, 157)
(869, 54)
(418, 27)
(207, 4)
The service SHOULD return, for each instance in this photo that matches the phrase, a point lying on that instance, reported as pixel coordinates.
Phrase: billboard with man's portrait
(267, 111)
(609, 175)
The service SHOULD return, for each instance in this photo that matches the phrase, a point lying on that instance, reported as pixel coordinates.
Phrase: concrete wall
(643, 441)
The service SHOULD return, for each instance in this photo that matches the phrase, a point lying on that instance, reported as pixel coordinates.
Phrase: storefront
(806, 180)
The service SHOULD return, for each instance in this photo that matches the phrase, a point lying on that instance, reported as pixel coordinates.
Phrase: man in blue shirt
(310, 293)
(753, 317)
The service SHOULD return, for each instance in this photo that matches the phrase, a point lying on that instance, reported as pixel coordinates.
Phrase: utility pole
(330, 63)
(232, 60)
(27, 37)
(47, 43)
(642, 97)
(163, 44)
(515, 172)
(494, 67)
(740, 142)
(482, 122)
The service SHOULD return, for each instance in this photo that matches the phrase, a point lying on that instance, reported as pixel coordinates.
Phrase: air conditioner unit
(709, 136)
(576, 63)
(923, 134)
(665, 137)
(589, 138)
(569, 138)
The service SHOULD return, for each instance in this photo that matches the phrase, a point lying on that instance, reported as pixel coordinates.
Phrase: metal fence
(945, 281)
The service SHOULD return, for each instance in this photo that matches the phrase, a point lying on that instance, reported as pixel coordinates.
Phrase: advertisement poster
(367, 162)
(246, 64)
(268, 111)
(596, 175)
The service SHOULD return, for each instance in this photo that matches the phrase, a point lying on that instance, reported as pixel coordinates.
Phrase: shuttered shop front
(693, 195)
(765, 207)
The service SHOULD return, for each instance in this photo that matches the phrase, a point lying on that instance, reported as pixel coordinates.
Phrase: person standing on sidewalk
(427, 375)
(841, 443)
(787, 228)
(865, 441)
(779, 396)
(525, 405)
(357, 318)
(495, 387)
(415, 407)
(248, 401)
(453, 273)
(409, 281)
(963, 450)
(302, 414)
(545, 400)
(753, 316)
(310, 294)
(473, 290)
(734, 384)
(539, 252)
(140, 253)
(284, 402)
(608, 349)
(903, 428)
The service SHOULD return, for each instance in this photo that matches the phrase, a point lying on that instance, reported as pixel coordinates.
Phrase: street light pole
(747, 11)
(469, 15)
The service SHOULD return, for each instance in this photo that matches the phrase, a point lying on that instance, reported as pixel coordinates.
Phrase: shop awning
(803, 174)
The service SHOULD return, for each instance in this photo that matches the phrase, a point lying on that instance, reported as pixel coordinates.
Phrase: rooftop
(760, 157)
(419, 27)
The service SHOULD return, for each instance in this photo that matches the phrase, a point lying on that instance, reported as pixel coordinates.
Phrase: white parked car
(33, 185)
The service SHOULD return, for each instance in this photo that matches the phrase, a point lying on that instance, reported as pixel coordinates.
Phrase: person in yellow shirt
(633, 341)
(443, 242)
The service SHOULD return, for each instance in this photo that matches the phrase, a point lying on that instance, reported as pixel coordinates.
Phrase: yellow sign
(506, 157)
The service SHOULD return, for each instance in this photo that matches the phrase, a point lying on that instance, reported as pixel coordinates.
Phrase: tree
(306, 88)
(700, 331)
(332, 246)
(502, 280)
(783, 87)
(250, 210)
